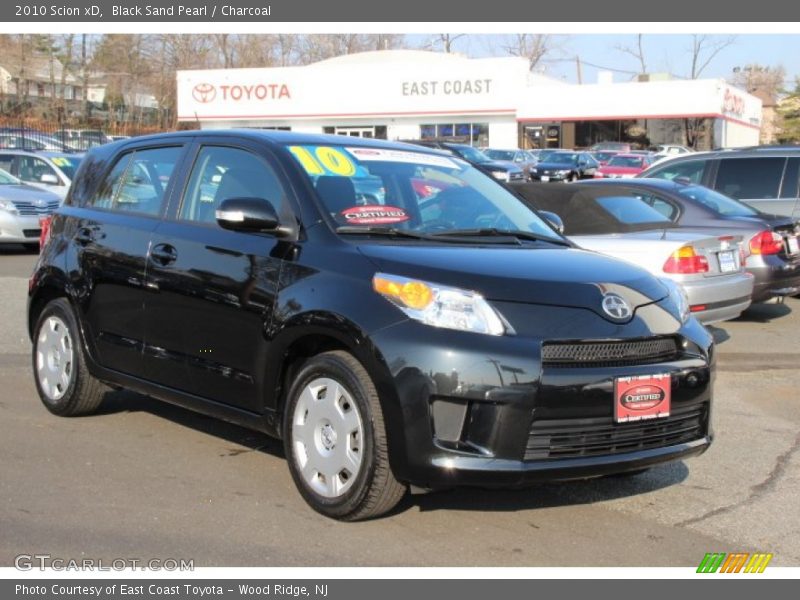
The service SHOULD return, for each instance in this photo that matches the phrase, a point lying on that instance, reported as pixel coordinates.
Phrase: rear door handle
(163, 254)
(84, 236)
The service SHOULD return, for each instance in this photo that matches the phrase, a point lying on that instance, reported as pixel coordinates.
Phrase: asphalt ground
(143, 479)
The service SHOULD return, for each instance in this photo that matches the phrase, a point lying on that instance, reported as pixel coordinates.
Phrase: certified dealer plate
(545, 178)
(642, 397)
(794, 247)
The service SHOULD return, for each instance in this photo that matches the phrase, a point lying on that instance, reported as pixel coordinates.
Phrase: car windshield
(500, 154)
(7, 178)
(717, 202)
(472, 154)
(374, 190)
(604, 155)
(626, 161)
(563, 158)
(68, 164)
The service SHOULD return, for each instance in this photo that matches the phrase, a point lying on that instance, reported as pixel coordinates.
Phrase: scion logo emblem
(616, 307)
(204, 93)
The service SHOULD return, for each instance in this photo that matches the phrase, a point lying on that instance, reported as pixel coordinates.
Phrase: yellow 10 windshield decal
(324, 160)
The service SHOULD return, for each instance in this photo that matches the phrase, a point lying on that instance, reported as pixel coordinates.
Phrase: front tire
(335, 440)
(65, 386)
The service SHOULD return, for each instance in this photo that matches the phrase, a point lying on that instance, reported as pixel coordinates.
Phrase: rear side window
(750, 178)
(630, 210)
(662, 206)
(138, 181)
(790, 179)
(691, 170)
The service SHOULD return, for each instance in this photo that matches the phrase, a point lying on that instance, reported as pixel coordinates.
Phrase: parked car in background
(33, 141)
(524, 159)
(451, 340)
(662, 150)
(708, 266)
(765, 177)
(564, 166)
(82, 139)
(615, 146)
(52, 171)
(21, 207)
(499, 169)
(603, 156)
(116, 138)
(770, 242)
(624, 165)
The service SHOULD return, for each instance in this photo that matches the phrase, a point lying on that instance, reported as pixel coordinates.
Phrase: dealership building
(498, 102)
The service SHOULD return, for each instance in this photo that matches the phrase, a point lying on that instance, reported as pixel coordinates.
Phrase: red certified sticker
(642, 397)
(374, 215)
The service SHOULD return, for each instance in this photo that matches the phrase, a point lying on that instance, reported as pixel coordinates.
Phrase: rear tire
(65, 386)
(335, 440)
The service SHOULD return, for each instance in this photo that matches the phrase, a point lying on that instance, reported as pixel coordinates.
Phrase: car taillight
(766, 242)
(685, 261)
(44, 234)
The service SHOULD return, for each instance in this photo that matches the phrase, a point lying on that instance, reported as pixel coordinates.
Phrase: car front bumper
(482, 410)
(18, 229)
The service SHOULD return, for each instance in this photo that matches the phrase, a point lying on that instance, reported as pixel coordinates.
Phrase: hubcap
(327, 437)
(54, 358)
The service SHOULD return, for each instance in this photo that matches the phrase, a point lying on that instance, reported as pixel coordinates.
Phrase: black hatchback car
(435, 332)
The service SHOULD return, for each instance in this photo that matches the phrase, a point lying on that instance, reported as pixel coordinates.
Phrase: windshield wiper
(494, 232)
(387, 231)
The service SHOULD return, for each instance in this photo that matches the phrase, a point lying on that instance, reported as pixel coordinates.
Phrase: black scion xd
(395, 315)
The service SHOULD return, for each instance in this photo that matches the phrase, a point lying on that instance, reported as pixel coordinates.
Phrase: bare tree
(531, 46)
(637, 52)
(444, 41)
(705, 48)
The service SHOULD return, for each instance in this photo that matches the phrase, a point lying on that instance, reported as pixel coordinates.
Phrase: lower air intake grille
(574, 438)
(590, 354)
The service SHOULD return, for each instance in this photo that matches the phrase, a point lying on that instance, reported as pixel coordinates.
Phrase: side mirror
(554, 220)
(49, 179)
(249, 215)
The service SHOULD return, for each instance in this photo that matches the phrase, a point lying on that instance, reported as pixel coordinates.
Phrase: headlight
(440, 305)
(679, 297)
(563, 172)
(501, 175)
(534, 170)
(8, 206)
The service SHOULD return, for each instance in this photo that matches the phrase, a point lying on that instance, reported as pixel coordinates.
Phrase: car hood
(500, 164)
(552, 276)
(26, 193)
(555, 166)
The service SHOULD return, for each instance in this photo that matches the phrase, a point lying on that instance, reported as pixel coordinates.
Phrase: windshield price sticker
(374, 215)
(417, 158)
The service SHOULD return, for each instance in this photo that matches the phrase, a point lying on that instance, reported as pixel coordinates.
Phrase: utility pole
(579, 69)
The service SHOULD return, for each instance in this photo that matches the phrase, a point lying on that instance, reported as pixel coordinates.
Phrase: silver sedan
(21, 207)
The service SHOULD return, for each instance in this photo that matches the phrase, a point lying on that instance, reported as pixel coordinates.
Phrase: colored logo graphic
(739, 562)
(204, 93)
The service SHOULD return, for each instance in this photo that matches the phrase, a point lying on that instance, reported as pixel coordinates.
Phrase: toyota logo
(616, 307)
(204, 93)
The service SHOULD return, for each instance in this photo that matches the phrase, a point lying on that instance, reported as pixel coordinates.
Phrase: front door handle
(164, 254)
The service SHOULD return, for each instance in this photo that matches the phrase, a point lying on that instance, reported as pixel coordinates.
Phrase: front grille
(516, 176)
(577, 438)
(31, 233)
(31, 209)
(616, 353)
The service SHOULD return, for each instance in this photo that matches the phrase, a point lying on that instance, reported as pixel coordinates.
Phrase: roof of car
(283, 137)
(648, 182)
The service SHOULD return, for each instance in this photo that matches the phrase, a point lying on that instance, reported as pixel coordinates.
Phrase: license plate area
(727, 261)
(545, 178)
(793, 245)
(642, 397)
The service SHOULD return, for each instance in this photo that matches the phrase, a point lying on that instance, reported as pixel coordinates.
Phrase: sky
(663, 53)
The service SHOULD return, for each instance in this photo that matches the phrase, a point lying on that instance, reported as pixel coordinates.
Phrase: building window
(475, 134)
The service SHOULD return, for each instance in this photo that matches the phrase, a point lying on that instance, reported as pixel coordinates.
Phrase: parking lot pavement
(147, 480)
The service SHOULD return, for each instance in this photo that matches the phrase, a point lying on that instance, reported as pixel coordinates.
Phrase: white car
(708, 266)
(52, 171)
